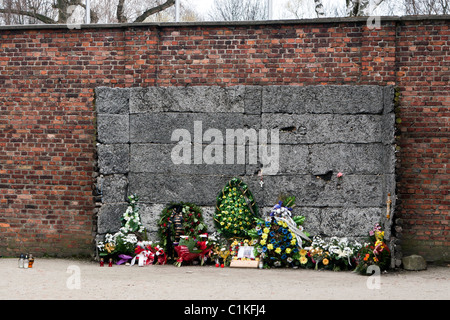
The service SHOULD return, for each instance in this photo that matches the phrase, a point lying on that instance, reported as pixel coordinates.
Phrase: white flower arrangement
(131, 219)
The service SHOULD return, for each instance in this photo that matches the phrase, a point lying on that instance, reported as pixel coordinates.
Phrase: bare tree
(427, 7)
(298, 9)
(354, 8)
(59, 11)
(238, 10)
(34, 11)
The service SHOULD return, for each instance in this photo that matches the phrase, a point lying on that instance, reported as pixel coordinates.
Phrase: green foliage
(236, 209)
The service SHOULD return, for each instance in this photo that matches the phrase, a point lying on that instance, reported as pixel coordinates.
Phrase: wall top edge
(225, 23)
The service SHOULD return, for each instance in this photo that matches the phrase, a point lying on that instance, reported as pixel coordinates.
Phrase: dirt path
(74, 279)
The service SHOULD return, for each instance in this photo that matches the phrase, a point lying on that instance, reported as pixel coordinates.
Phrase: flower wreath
(236, 209)
(170, 228)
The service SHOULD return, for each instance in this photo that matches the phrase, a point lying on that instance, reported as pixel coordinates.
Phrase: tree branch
(154, 10)
(35, 15)
(94, 16)
(120, 15)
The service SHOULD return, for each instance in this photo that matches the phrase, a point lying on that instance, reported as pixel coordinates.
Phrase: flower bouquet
(333, 253)
(220, 252)
(278, 238)
(376, 252)
(146, 254)
(189, 248)
(116, 245)
(125, 240)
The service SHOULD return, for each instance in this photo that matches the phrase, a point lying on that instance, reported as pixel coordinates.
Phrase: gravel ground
(54, 279)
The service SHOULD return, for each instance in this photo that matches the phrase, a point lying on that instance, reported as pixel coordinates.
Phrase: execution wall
(50, 76)
(173, 144)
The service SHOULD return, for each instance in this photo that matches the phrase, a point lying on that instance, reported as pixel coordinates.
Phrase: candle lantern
(21, 260)
(30, 261)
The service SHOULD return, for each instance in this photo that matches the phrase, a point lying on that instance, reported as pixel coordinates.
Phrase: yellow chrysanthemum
(303, 252)
(325, 261)
(303, 260)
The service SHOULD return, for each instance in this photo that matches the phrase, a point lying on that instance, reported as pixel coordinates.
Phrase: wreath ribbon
(145, 257)
(123, 259)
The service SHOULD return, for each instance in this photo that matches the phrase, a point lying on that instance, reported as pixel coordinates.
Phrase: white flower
(101, 246)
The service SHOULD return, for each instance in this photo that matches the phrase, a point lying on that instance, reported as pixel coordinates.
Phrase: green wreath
(179, 219)
(236, 209)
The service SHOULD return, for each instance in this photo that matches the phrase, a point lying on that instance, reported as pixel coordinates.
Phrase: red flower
(201, 245)
(138, 250)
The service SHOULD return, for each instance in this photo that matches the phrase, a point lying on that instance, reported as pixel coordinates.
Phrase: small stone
(414, 263)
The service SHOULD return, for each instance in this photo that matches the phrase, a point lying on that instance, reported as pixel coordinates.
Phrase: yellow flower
(278, 250)
(264, 236)
(379, 235)
(263, 242)
(293, 242)
(325, 261)
(270, 246)
(266, 230)
(303, 260)
(288, 250)
(303, 252)
(109, 247)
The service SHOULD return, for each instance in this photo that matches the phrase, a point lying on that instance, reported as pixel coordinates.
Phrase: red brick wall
(423, 58)
(47, 120)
